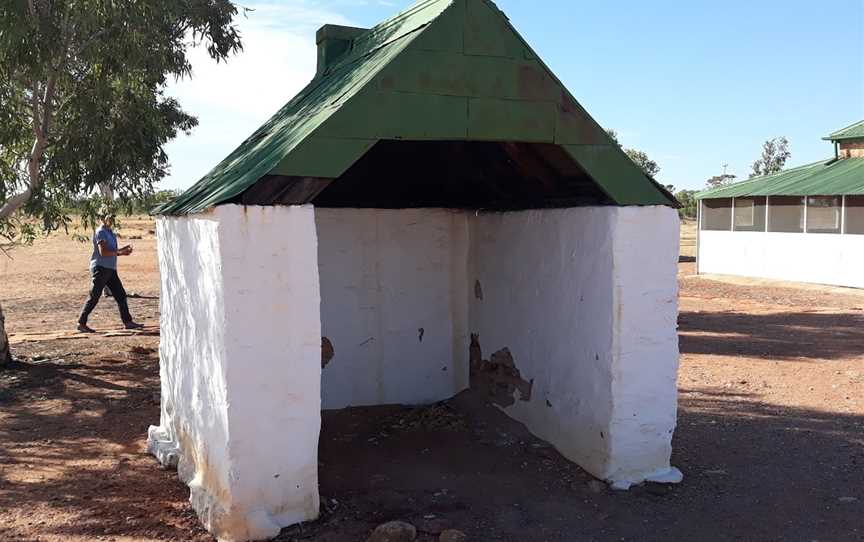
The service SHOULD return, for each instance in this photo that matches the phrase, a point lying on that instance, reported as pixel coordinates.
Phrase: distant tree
(720, 180)
(82, 100)
(775, 153)
(640, 158)
(687, 198)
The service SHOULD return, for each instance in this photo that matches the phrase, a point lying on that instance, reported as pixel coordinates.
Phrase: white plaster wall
(241, 366)
(812, 257)
(193, 431)
(585, 299)
(385, 275)
(645, 345)
(546, 279)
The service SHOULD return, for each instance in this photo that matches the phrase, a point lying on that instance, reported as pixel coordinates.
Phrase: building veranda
(804, 224)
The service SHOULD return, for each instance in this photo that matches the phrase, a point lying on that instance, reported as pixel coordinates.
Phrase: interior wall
(574, 323)
(832, 259)
(542, 290)
(393, 305)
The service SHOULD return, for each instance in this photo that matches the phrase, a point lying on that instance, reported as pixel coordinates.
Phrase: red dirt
(770, 436)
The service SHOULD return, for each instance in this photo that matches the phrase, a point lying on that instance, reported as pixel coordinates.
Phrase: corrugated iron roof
(825, 178)
(445, 70)
(280, 135)
(855, 131)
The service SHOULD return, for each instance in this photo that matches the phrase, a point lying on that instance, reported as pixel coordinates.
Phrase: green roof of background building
(855, 131)
(440, 70)
(825, 178)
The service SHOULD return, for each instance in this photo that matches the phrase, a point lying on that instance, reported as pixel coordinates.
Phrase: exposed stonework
(498, 378)
(327, 352)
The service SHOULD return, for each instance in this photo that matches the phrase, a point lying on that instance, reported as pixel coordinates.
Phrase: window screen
(855, 215)
(824, 214)
(750, 214)
(717, 214)
(786, 214)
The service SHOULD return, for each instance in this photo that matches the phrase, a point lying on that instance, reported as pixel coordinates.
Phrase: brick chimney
(850, 148)
(848, 142)
(334, 41)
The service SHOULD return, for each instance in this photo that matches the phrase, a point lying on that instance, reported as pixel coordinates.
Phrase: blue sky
(696, 85)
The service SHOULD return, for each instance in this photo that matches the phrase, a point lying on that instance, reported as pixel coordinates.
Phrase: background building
(805, 224)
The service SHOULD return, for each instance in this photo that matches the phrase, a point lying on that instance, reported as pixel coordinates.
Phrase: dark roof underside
(454, 174)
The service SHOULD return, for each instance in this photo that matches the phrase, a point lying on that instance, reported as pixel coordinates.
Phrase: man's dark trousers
(102, 277)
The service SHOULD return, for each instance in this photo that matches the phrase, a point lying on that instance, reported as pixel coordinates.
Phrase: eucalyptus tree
(83, 104)
(775, 153)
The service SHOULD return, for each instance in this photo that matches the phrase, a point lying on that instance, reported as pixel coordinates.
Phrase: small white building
(805, 224)
(434, 212)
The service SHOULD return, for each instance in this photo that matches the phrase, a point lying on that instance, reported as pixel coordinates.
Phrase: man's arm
(105, 253)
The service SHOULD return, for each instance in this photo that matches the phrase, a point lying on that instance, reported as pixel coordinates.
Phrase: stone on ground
(452, 535)
(395, 531)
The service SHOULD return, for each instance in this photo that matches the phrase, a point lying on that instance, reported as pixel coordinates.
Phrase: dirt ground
(770, 434)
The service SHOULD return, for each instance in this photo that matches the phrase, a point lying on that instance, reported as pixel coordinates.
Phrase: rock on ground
(395, 531)
(452, 535)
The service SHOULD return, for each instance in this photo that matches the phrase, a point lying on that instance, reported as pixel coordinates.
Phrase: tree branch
(16, 202)
(41, 127)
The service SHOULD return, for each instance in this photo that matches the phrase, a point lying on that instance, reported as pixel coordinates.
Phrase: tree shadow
(784, 335)
(72, 446)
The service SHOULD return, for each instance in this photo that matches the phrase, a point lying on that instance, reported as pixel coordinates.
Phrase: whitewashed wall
(241, 366)
(802, 257)
(385, 276)
(585, 300)
(645, 349)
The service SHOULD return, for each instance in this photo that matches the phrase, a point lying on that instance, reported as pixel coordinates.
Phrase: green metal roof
(825, 178)
(441, 70)
(855, 131)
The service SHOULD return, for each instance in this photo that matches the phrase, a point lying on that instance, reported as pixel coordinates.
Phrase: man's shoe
(133, 325)
(83, 328)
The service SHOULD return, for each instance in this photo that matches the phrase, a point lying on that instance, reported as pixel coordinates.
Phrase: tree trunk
(106, 191)
(5, 353)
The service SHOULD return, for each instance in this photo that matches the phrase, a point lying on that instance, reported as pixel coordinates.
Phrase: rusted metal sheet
(573, 126)
(456, 74)
(447, 34)
(511, 120)
(325, 157)
(488, 33)
(400, 115)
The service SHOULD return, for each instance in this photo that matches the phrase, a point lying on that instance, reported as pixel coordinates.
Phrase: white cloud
(232, 99)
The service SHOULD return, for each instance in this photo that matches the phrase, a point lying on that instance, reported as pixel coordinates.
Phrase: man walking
(103, 270)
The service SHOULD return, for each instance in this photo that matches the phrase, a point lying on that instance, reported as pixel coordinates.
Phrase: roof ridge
(404, 14)
(838, 133)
